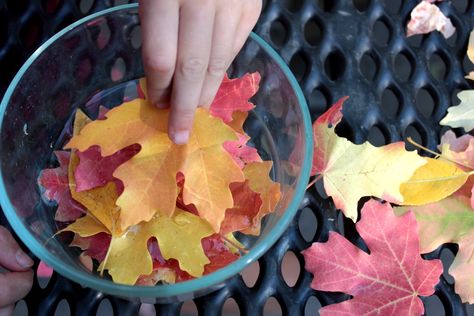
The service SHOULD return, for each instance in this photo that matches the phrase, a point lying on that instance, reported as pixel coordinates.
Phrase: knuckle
(192, 68)
(217, 67)
(159, 63)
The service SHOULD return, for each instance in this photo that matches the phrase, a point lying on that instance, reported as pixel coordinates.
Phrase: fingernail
(180, 137)
(23, 259)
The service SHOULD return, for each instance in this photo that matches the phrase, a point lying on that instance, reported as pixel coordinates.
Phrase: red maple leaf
(247, 204)
(240, 152)
(386, 282)
(96, 171)
(56, 184)
(233, 95)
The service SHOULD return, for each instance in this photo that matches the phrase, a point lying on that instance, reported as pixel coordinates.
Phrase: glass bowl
(102, 52)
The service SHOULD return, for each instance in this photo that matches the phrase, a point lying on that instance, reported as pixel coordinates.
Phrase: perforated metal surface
(398, 87)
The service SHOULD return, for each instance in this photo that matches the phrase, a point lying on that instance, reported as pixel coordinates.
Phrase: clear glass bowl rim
(186, 287)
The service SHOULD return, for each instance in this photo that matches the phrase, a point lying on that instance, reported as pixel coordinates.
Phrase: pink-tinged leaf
(240, 152)
(94, 246)
(96, 171)
(56, 184)
(462, 268)
(233, 95)
(426, 18)
(102, 112)
(472, 198)
(386, 282)
(459, 149)
(218, 253)
(334, 114)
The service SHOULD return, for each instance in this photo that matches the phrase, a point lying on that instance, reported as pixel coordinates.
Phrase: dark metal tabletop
(401, 87)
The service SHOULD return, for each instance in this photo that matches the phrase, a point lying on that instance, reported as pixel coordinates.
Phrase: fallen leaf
(56, 184)
(259, 181)
(233, 95)
(386, 282)
(434, 181)
(426, 18)
(150, 176)
(458, 149)
(94, 246)
(247, 204)
(218, 253)
(352, 171)
(94, 170)
(240, 152)
(461, 115)
(470, 54)
(128, 257)
(449, 221)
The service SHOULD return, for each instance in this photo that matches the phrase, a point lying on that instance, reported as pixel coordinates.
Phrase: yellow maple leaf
(150, 176)
(351, 171)
(434, 181)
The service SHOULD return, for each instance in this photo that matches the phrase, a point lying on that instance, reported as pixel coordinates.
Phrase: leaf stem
(411, 141)
(314, 181)
(233, 244)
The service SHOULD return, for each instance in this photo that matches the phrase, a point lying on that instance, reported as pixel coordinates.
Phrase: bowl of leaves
(93, 186)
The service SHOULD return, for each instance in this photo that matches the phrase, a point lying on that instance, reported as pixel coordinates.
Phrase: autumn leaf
(56, 184)
(94, 246)
(458, 149)
(426, 18)
(461, 115)
(247, 204)
(240, 152)
(470, 54)
(352, 171)
(434, 181)
(233, 95)
(449, 221)
(94, 170)
(386, 282)
(259, 181)
(128, 257)
(218, 253)
(149, 177)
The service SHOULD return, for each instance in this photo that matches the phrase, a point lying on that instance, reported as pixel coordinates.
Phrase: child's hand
(187, 47)
(17, 282)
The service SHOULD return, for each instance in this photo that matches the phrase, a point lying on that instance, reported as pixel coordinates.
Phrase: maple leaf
(426, 18)
(449, 221)
(233, 95)
(150, 176)
(352, 171)
(128, 257)
(470, 54)
(259, 181)
(218, 253)
(94, 246)
(240, 152)
(56, 184)
(95, 171)
(461, 115)
(434, 181)
(386, 282)
(247, 204)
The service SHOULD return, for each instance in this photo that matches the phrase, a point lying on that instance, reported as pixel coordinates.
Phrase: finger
(250, 13)
(14, 286)
(11, 256)
(159, 21)
(194, 46)
(225, 25)
(7, 310)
